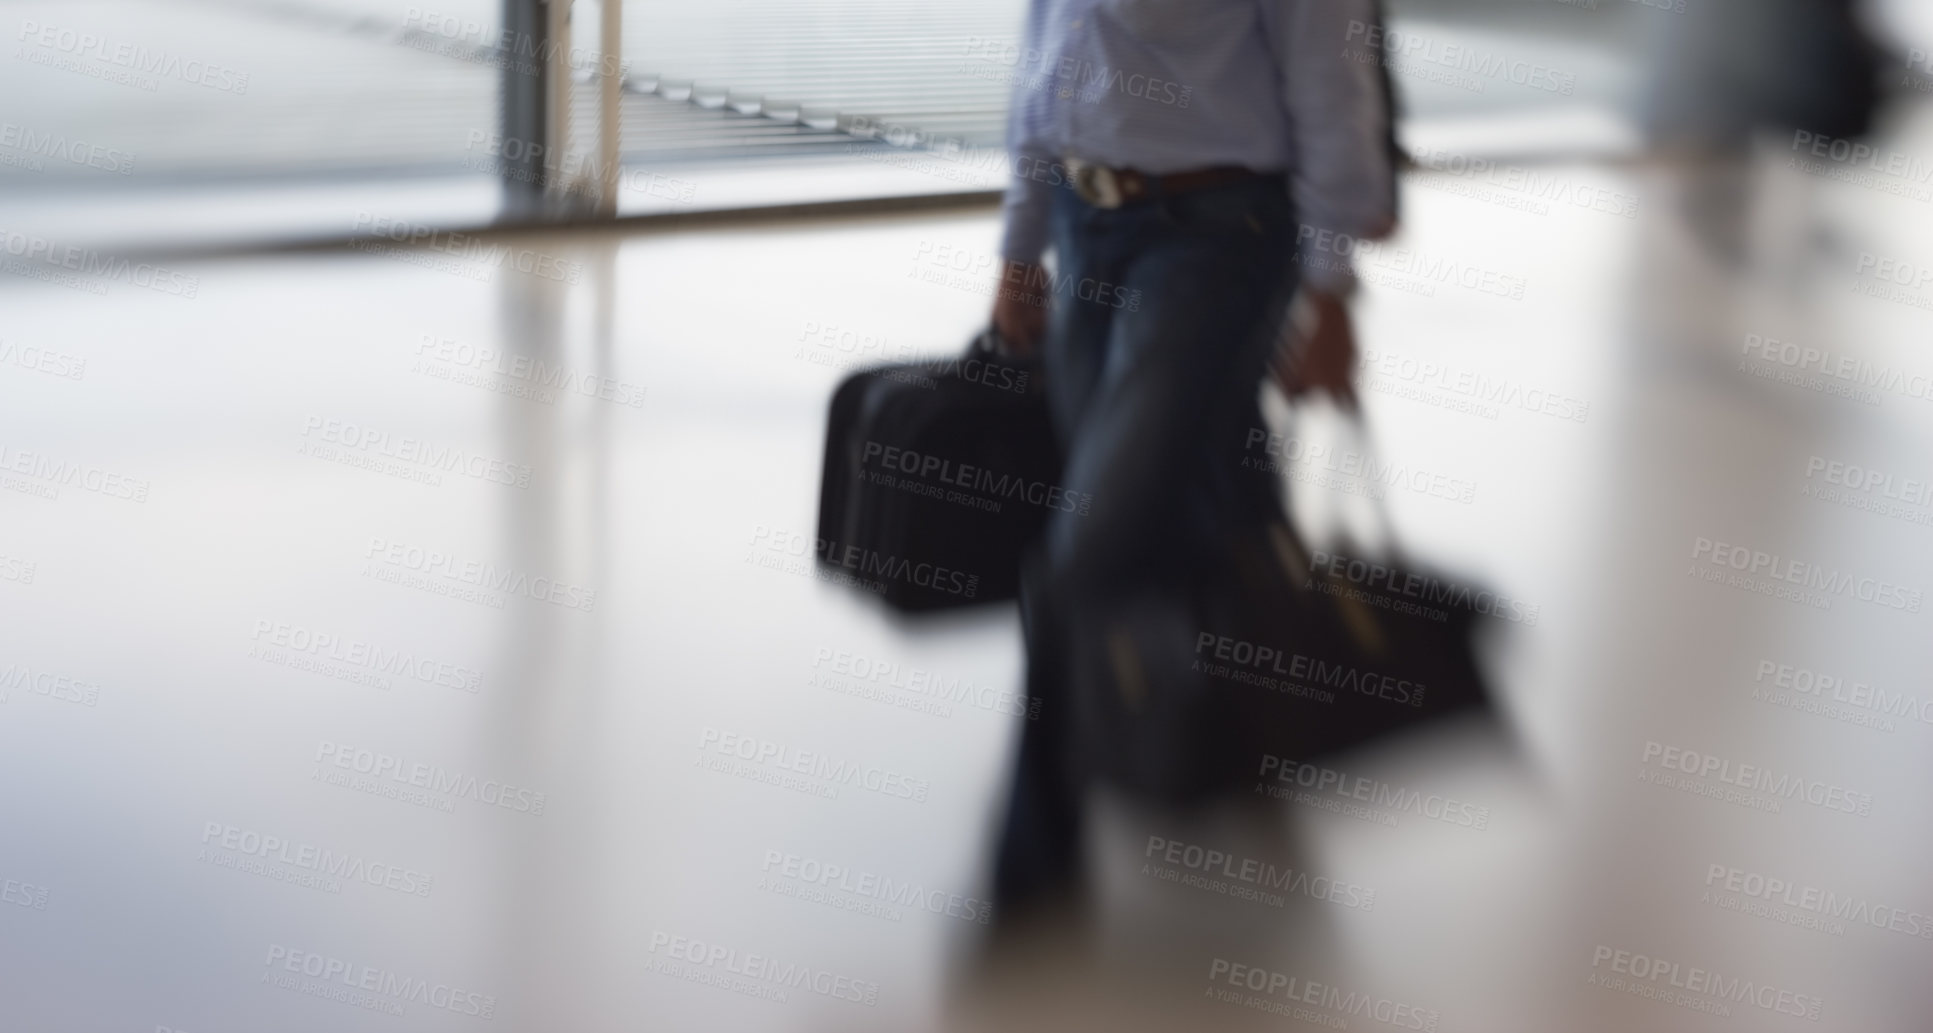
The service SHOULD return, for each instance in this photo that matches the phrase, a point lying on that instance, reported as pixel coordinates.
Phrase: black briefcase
(1237, 676)
(938, 476)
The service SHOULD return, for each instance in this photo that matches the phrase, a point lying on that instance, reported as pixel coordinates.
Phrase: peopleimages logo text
(1295, 990)
(469, 247)
(355, 652)
(1908, 490)
(764, 968)
(1672, 975)
(1841, 373)
(389, 990)
(875, 887)
(486, 576)
(433, 777)
(1864, 155)
(813, 763)
(43, 255)
(1319, 779)
(1757, 779)
(886, 675)
(320, 861)
(54, 145)
(974, 478)
(1313, 670)
(446, 458)
(1831, 693)
(1409, 45)
(1247, 878)
(1422, 588)
(1757, 563)
(870, 568)
(131, 56)
(1773, 890)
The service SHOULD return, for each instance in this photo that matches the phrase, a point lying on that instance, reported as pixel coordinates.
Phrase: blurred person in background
(1723, 72)
(1170, 155)
(1723, 69)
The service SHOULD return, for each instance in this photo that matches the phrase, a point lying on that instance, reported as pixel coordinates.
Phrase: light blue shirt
(1163, 86)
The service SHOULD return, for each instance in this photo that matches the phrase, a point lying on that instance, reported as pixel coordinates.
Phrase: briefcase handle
(1358, 423)
(1384, 540)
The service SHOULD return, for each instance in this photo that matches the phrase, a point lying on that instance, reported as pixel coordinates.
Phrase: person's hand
(1322, 355)
(1020, 308)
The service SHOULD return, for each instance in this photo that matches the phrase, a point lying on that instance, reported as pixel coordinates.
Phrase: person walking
(1189, 165)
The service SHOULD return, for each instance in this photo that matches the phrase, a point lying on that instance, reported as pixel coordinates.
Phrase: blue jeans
(1164, 316)
(1153, 384)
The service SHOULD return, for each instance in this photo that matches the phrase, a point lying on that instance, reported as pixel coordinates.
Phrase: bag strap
(1358, 434)
(1372, 456)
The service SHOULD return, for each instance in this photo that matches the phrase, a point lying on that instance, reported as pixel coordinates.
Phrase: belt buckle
(1096, 184)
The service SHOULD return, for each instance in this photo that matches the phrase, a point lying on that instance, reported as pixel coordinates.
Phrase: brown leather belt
(1105, 187)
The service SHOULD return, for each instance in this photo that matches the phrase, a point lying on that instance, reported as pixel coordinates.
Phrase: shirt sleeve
(1339, 112)
(1034, 168)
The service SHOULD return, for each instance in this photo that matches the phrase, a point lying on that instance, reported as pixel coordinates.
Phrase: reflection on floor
(428, 634)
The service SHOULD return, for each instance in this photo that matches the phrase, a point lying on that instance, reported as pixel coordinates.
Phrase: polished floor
(423, 640)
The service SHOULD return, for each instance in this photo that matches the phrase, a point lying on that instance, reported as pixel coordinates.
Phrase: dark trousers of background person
(1165, 315)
